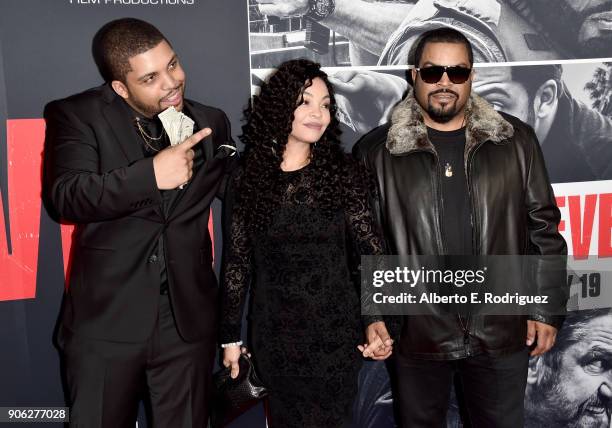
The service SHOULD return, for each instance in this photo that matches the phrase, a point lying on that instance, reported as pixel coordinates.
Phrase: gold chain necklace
(148, 139)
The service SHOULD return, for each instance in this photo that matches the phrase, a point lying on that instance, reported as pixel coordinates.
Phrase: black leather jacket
(512, 208)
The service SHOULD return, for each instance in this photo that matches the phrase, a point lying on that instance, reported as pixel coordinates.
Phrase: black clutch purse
(235, 396)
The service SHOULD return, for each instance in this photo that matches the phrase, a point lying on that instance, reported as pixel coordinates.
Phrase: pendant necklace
(448, 170)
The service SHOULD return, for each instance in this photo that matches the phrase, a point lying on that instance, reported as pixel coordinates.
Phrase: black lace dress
(305, 312)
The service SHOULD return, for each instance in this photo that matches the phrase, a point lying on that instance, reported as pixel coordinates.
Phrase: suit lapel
(117, 116)
(121, 124)
(207, 147)
(202, 122)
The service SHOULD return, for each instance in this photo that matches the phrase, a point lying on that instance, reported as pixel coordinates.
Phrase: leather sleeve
(548, 249)
(361, 151)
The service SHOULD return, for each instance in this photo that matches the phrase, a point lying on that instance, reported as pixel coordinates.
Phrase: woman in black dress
(299, 209)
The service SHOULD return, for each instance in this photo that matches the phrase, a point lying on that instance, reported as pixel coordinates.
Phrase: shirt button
(153, 258)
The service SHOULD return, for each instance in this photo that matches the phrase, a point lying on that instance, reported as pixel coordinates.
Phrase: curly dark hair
(269, 119)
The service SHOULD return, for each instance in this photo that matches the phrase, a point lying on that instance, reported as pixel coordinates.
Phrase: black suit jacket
(98, 178)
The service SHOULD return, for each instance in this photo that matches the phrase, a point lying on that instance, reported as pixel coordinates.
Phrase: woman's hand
(231, 355)
(379, 344)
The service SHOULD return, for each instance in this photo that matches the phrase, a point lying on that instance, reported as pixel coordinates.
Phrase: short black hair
(440, 35)
(532, 77)
(118, 41)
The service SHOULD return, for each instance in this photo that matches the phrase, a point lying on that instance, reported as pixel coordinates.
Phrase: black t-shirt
(456, 218)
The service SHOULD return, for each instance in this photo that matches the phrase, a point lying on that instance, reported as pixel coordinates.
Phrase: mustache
(595, 401)
(172, 91)
(443, 91)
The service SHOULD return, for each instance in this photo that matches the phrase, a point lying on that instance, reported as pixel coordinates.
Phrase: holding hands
(379, 344)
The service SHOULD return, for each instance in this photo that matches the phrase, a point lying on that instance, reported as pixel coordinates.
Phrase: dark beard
(439, 115)
(146, 109)
(594, 401)
(445, 114)
(573, 415)
(152, 110)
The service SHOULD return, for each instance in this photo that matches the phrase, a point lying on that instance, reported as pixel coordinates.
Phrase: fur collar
(408, 131)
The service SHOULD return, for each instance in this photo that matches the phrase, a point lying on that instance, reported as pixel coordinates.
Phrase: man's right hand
(173, 166)
(379, 345)
(283, 8)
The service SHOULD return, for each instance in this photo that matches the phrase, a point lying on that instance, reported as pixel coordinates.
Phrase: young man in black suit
(140, 313)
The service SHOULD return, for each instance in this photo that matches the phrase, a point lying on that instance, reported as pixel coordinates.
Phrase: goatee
(445, 113)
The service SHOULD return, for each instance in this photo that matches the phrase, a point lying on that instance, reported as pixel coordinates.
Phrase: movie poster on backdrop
(380, 32)
(556, 75)
(568, 105)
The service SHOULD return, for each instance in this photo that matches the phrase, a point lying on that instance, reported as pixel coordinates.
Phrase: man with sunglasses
(455, 177)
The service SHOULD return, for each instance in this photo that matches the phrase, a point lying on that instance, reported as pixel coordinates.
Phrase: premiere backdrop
(548, 62)
(556, 74)
(45, 48)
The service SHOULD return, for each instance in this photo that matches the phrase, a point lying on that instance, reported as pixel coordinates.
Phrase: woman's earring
(274, 143)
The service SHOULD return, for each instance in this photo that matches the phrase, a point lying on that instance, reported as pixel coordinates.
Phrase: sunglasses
(455, 73)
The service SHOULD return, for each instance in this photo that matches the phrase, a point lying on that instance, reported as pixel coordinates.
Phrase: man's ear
(546, 100)
(545, 104)
(535, 365)
(413, 73)
(120, 88)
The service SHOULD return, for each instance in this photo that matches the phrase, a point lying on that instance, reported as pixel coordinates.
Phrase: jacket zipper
(440, 204)
(441, 241)
(475, 249)
(440, 199)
